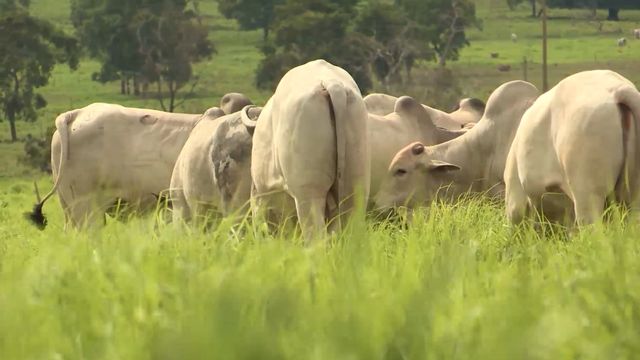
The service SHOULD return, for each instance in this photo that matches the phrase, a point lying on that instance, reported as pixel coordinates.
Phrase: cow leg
(86, 213)
(311, 216)
(180, 209)
(588, 207)
(516, 200)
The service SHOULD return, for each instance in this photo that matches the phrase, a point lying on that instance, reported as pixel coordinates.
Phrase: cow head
(414, 177)
(234, 102)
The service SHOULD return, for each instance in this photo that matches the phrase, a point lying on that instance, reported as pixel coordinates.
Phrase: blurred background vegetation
(183, 55)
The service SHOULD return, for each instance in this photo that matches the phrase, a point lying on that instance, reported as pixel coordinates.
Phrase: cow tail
(338, 107)
(628, 100)
(62, 126)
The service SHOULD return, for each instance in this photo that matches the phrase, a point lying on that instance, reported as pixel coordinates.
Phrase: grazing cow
(636, 33)
(468, 110)
(409, 122)
(104, 154)
(213, 172)
(514, 37)
(576, 145)
(473, 162)
(622, 42)
(233, 102)
(310, 151)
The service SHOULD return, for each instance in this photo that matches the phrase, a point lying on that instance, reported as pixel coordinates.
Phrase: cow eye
(400, 172)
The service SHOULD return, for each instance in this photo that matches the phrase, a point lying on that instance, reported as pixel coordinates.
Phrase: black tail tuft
(37, 217)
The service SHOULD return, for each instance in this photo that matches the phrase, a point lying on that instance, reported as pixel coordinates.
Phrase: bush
(37, 151)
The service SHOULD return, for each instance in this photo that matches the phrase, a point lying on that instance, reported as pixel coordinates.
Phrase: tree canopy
(251, 14)
(381, 35)
(29, 50)
(613, 6)
(149, 41)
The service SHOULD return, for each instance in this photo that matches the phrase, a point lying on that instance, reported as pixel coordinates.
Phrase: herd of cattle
(317, 146)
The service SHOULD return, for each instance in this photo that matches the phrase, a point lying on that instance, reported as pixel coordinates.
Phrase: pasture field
(458, 283)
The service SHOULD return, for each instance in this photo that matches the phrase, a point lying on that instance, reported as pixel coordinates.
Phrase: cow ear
(441, 167)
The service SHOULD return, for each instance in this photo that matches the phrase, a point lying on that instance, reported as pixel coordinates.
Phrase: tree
(29, 50)
(312, 29)
(251, 14)
(443, 23)
(613, 6)
(398, 43)
(103, 29)
(149, 41)
(170, 40)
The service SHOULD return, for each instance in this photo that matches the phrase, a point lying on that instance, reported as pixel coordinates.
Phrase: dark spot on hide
(148, 120)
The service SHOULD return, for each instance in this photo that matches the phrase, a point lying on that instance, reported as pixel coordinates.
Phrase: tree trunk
(136, 85)
(12, 125)
(122, 88)
(613, 14)
(533, 8)
(265, 34)
(172, 96)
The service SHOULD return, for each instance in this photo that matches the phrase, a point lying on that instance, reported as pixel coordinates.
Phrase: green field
(457, 283)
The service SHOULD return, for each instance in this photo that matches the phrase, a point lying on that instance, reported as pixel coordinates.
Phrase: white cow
(576, 145)
(636, 33)
(409, 122)
(310, 149)
(104, 153)
(213, 172)
(473, 162)
(467, 111)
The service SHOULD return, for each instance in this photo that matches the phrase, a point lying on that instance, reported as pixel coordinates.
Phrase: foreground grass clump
(458, 283)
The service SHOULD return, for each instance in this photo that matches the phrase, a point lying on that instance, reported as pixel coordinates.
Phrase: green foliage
(398, 41)
(385, 36)
(315, 29)
(456, 283)
(148, 41)
(103, 27)
(170, 40)
(29, 50)
(443, 23)
(251, 14)
(37, 150)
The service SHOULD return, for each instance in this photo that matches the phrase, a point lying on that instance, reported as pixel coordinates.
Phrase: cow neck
(473, 152)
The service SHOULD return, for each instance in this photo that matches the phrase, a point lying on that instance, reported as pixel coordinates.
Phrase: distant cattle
(475, 161)
(577, 144)
(469, 110)
(514, 37)
(636, 33)
(310, 151)
(622, 42)
(213, 172)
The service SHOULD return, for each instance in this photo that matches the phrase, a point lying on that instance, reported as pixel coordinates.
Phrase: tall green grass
(457, 283)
